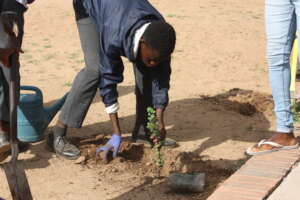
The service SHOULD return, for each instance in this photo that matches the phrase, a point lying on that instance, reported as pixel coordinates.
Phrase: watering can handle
(37, 91)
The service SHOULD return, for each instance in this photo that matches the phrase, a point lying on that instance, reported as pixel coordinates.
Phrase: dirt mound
(245, 102)
(139, 159)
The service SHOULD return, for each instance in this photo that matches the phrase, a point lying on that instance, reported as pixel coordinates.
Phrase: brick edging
(258, 177)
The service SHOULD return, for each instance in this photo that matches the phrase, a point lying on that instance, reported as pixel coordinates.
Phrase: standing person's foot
(60, 144)
(278, 141)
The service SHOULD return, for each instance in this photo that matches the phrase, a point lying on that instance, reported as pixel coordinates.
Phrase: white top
(23, 2)
(136, 41)
(137, 36)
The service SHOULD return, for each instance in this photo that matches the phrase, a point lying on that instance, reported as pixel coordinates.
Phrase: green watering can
(33, 117)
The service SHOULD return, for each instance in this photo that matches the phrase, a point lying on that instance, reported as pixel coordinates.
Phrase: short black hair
(161, 37)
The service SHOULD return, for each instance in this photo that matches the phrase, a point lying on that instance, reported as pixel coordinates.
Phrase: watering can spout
(51, 111)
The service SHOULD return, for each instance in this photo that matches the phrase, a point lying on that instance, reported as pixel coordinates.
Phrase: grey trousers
(86, 83)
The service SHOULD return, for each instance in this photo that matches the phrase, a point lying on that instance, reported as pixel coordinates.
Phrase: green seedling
(68, 84)
(49, 56)
(47, 46)
(74, 55)
(80, 61)
(152, 125)
(176, 16)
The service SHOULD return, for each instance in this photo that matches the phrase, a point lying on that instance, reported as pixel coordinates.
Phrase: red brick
(270, 164)
(260, 173)
(257, 177)
(228, 195)
(262, 184)
(242, 192)
(276, 159)
(289, 153)
(285, 156)
(252, 179)
(248, 187)
(266, 169)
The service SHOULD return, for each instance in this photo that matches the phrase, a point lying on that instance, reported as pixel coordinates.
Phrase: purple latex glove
(113, 145)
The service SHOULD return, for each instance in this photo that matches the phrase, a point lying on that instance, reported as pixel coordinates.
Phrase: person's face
(149, 56)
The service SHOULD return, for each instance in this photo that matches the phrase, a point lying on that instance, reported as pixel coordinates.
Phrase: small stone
(80, 160)
(156, 181)
(91, 152)
(114, 170)
(119, 159)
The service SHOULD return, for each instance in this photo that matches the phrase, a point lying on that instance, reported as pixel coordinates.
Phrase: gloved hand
(113, 145)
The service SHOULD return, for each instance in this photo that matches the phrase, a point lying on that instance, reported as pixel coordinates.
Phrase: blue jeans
(280, 21)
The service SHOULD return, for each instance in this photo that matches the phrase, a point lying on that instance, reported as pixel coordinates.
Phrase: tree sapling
(152, 125)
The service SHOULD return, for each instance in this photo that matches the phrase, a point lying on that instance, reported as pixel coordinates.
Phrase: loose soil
(139, 158)
(219, 103)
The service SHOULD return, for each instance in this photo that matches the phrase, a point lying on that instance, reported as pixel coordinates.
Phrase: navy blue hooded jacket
(117, 21)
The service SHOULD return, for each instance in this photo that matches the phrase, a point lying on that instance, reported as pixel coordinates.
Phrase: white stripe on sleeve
(23, 2)
(112, 109)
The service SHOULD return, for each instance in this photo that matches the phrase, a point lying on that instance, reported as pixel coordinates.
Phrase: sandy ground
(220, 46)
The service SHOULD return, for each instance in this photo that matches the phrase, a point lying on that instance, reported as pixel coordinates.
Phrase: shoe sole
(51, 149)
(4, 148)
(3, 156)
(4, 152)
(66, 157)
(251, 153)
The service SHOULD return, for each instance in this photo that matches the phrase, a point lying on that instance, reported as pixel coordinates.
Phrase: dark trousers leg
(5, 72)
(143, 93)
(4, 90)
